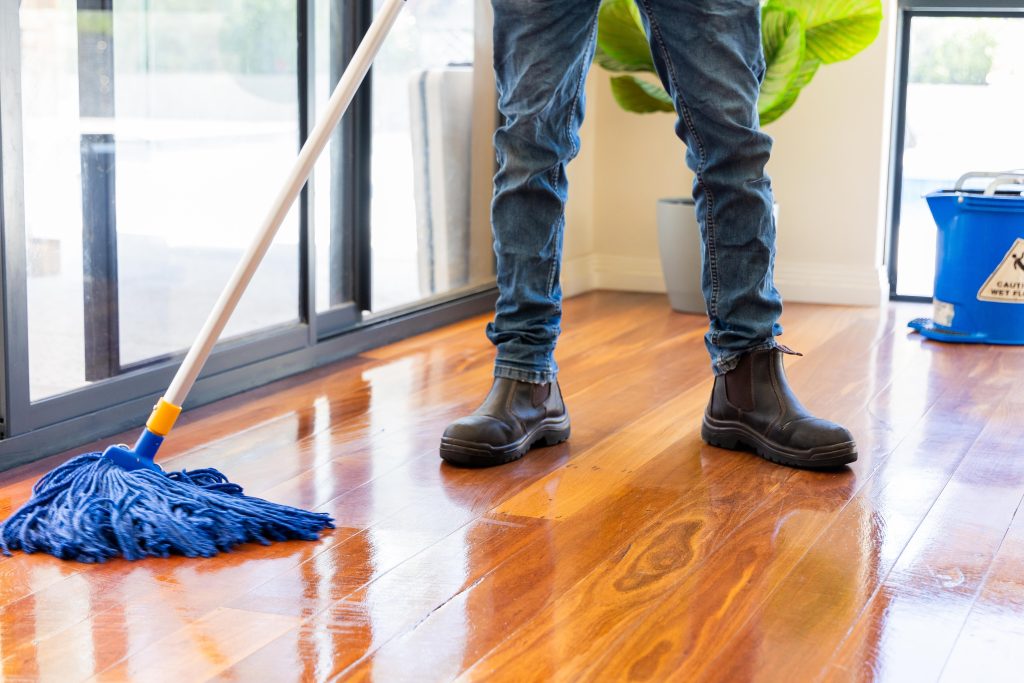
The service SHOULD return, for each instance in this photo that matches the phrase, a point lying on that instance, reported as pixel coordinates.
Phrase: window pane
(964, 93)
(182, 114)
(53, 196)
(420, 174)
(421, 240)
(333, 274)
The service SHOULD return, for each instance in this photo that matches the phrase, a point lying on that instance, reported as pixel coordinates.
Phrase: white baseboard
(578, 275)
(604, 271)
(806, 282)
(830, 283)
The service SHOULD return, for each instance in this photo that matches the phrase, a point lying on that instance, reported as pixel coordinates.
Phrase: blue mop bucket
(979, 263)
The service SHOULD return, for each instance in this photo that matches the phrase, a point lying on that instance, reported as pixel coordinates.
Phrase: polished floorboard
(631, 552)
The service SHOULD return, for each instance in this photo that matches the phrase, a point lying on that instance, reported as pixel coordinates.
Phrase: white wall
(827, 168)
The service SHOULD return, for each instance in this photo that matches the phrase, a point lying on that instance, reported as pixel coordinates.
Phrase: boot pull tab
(540, 393)
(788, 351)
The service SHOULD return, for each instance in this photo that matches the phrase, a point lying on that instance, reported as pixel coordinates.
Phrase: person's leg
(542, 53)
(708, 54)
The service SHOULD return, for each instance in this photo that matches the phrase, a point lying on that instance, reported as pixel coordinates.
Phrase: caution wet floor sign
(1006, 283)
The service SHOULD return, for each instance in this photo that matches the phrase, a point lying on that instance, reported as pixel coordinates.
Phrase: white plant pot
(682, 252)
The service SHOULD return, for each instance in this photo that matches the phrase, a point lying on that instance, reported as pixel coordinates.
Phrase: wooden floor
(632, 552)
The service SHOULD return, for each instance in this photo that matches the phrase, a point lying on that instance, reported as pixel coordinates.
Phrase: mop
(120, 502)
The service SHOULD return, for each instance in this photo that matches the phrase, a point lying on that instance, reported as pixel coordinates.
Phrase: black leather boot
(753, 407)
(514, 417)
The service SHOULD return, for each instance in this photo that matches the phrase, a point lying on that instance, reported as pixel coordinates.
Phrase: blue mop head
(90, 509)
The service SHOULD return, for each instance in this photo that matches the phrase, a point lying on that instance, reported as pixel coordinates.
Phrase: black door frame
(908, 9)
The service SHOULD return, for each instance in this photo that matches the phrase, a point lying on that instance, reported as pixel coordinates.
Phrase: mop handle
(167, 409)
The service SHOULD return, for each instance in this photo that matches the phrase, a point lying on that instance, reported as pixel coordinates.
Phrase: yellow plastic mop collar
(163, 417)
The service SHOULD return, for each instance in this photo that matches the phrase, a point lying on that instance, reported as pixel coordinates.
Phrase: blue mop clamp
(139, 456)
(143, 453)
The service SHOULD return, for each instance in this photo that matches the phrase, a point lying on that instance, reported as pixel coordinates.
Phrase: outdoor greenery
(952, 56)
(259, 37)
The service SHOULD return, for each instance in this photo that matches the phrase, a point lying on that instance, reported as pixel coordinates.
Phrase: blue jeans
(709, 57)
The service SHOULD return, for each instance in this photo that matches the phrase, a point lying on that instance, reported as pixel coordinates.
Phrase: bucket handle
(1015, 179)
(1015, 173)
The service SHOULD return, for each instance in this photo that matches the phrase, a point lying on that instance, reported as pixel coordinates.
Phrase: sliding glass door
(144, 139)
(151, 130)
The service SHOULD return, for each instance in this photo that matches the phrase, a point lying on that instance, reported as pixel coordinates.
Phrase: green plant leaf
(609, 63)
(782, 36)
(808, 68)
(621, 42)
(836, 29)
(639, 96)
(803, 76)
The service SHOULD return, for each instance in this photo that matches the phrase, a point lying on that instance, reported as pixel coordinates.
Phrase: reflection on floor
(633, 551)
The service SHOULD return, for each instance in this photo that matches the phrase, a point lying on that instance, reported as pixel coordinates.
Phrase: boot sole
(736, 436)
(474, 454)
